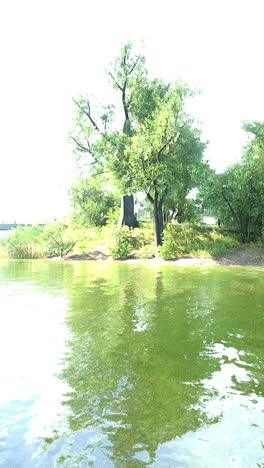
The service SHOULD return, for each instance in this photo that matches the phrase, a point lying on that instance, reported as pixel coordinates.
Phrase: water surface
(118, 365)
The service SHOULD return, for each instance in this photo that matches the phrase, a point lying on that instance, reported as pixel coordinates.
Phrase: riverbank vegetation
(143, 185)
(60, 238)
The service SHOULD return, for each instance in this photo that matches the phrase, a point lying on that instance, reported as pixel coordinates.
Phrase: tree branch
(150, 198)
(88, 114)
(229, 205)
(134, 65)
(114, 80)
(163, 147)
(85, 149)
(81, 147)
(125, 105)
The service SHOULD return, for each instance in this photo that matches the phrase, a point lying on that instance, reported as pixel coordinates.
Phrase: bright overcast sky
(55, 49)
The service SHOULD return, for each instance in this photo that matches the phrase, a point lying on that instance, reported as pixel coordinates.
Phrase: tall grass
(23, 242)
(181, 240)
(23, 251)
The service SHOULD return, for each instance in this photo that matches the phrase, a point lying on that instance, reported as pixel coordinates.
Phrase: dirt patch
(240, 256)
(243, 256)
(95, 255)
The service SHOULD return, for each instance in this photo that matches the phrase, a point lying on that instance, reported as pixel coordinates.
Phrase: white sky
(53, 50)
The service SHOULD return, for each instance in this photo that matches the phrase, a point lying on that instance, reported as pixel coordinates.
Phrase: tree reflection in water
(135, 360)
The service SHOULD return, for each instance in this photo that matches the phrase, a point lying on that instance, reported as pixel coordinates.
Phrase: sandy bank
(240, 256)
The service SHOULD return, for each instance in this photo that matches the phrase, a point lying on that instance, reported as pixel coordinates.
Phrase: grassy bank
(59, 239)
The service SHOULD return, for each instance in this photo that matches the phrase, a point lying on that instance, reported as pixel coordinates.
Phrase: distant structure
(8, 227)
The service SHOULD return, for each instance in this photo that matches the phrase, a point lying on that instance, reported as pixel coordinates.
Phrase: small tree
(59, 241)
(237, 197)
(92, 202)
(92, 130)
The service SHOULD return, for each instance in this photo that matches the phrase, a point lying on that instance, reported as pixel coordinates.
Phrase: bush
(169, 250)
(122, 247)
(59, 239)
(139, 237)
(54, 239)
(181, 240)
(92, 202)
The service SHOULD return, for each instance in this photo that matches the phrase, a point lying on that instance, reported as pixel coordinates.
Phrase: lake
(109, 364)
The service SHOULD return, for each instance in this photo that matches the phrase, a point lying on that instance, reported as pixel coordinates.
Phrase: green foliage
(3, 252)
(97, 129)
(59, 240)
(128, 75)
(144, 211)
(122, 246)
(157, 150)
(95, 125)
(182, 210)
(255, 145)
(147, 251)
(120, 242)
(237, 197)
(182, 240)
(142, 236)
(23, 251)
(163, 156)
(92, 202)
(24, 242)
(54, 239)
(164, 153)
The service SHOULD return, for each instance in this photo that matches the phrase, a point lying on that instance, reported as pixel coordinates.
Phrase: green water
(116, 365)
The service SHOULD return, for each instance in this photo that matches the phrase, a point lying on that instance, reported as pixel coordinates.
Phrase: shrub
(139, 237)
(182, 240)
(59, 239)
(92, 202)
(122, 246)
(169, 249)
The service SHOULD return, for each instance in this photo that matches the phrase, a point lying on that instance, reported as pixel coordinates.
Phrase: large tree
(92, 130)
(150, 146)
(164, 155)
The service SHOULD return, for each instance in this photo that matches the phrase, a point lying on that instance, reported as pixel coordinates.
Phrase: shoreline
(240, 256)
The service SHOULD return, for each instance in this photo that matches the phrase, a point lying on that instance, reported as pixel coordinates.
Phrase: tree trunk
(158, 220)
(127, 217)
(243, 232)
